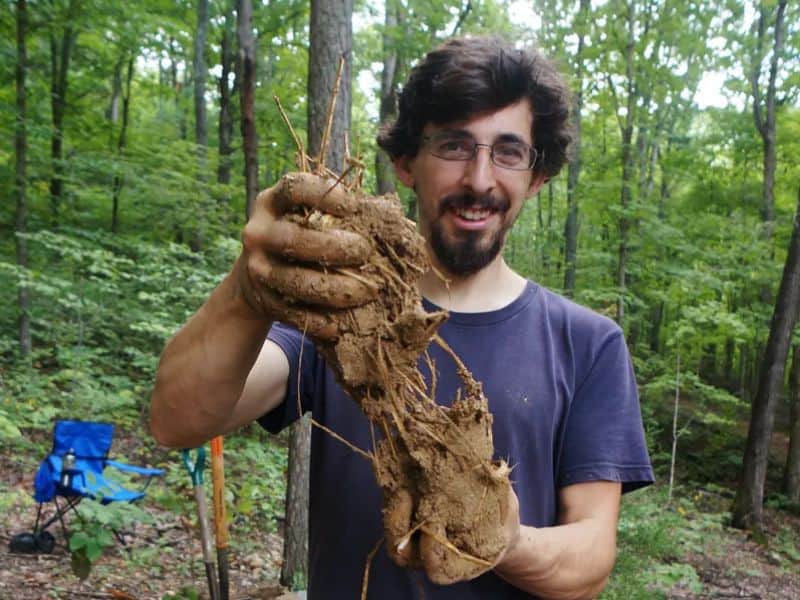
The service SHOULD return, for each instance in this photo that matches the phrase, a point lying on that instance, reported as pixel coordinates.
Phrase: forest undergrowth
(681, 550)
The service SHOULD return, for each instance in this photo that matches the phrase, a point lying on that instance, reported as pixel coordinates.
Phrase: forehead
(515, 119)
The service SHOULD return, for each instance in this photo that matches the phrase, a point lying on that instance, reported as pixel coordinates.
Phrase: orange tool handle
(218, 484)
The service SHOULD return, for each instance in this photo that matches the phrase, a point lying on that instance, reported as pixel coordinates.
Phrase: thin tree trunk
(331, 40)
(227, 58)
(247, 96)
(21, 178)
(791, 472)
(384, 173)
(747, 508)
(119, 179)
(627, 167)
(200, 74)
(60, 54)
(764, 114)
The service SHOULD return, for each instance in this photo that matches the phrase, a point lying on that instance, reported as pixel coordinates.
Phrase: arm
(218, 372)
(572, 560)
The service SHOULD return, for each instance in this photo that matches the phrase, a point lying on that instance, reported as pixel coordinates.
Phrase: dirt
(736, 566)
(445, 499)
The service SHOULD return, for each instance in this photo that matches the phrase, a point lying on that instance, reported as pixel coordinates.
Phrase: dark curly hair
(468, 76)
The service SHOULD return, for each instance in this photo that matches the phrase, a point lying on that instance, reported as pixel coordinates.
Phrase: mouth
(472, 213)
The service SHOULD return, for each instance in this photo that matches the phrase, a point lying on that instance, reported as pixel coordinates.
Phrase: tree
(384, 172)
(227, 58)
(21, 179)
(748, 504)
(246, 74)
(764, 107)
(125, 94)
(62, 42)
(791, 472)
(574, 169)
(200, 73)
(331, 42)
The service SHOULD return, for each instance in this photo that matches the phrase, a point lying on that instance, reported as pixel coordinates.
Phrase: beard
(469, 252)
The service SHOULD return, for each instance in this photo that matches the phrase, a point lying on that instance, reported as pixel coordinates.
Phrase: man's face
(466, 208)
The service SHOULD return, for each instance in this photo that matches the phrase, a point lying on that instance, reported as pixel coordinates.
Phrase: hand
(291, 264)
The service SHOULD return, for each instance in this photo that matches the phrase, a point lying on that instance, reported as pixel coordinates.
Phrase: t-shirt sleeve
(303, 361)
(604, 436)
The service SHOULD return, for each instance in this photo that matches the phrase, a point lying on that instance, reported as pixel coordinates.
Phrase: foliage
(94, 531)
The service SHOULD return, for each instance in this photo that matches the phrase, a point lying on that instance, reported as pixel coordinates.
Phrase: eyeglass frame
(534, 153)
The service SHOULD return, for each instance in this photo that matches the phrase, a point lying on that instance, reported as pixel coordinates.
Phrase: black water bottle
(68, 468)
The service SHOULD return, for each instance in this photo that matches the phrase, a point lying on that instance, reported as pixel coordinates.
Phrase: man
(481, 127)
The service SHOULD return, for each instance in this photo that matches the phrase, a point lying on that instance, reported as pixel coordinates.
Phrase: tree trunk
(574, 169)
(21, 178)
(626, 129)
(247, 95)
(791, 472)
(200, 74)
(119, 179)
(384, 173)
(60, 54)
(764, 115)
(331, 39)
(227, 58)
(747, 507)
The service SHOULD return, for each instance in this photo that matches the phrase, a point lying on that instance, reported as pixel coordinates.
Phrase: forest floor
(163, 559)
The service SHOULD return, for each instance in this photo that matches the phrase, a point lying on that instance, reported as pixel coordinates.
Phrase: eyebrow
(503, 137)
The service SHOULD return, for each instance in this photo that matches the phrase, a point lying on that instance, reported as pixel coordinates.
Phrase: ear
(537, 181)
(402, 168)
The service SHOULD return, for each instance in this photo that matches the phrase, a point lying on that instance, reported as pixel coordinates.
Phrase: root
(350, 445)
(419, 448)
(365, 580)
(326, 134)
(444, 542)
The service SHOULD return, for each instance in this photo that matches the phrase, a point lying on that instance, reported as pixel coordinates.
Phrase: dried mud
(445, 500)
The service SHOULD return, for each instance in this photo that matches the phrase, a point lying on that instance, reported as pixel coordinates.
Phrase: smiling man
(481, 126)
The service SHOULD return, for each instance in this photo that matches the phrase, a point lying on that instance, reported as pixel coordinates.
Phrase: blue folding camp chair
(74, 470)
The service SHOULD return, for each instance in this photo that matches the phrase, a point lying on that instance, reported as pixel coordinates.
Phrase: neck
(491, 288)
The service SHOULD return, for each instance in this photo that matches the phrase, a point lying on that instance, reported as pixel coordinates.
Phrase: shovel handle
(220, 520)
(218, 484)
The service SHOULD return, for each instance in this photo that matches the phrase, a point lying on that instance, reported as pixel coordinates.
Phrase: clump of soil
(445, 500)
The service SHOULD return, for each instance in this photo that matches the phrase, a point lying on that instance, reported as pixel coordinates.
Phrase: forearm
(565, 562)
(204, 367)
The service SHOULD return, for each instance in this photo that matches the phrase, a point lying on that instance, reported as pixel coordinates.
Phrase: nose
(479, 172)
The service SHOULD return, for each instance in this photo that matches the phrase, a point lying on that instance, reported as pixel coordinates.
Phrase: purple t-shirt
(560, 385)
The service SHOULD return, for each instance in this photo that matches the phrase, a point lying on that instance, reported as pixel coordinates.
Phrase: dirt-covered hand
(296, 262)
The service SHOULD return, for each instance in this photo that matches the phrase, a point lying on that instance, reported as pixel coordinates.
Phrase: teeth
(472, 215)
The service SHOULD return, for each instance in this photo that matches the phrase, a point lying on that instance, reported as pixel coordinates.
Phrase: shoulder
(576, 320)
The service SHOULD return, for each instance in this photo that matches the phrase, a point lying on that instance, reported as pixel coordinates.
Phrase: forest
(135, 137)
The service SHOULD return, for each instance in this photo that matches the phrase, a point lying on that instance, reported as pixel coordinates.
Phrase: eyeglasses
(514, 155)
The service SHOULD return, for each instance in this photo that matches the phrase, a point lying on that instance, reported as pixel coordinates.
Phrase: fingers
(443, 565)
(319, 288)
(332, 247)
(400, 541)
(307, 189)
(316, 324)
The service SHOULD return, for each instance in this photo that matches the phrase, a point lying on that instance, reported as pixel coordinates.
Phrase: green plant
(92, 533)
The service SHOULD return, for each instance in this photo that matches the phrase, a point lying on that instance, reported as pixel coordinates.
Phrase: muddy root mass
(445, 500)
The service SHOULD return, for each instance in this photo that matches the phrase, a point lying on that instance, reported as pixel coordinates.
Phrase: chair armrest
(134, 469)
